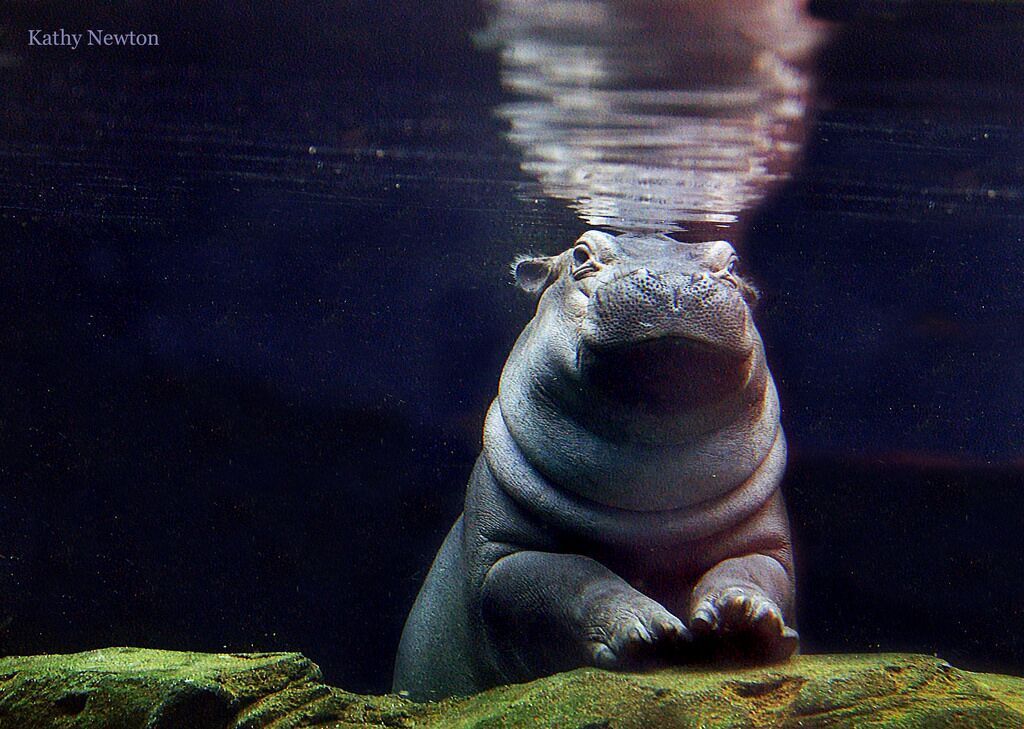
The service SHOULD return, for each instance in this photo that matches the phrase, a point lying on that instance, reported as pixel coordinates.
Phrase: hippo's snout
(643, 305)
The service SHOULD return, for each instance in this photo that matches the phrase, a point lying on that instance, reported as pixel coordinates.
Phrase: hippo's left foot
(743, 623)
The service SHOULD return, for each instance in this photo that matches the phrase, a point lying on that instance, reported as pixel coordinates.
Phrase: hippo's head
(627, 290)
(646, 320)
(642, 358)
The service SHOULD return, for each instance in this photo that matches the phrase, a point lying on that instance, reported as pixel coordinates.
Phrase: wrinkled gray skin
(625, 510)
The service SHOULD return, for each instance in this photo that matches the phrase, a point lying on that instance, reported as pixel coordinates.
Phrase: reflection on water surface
(654, 116)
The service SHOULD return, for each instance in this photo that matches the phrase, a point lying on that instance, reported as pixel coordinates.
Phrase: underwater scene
(506, 363)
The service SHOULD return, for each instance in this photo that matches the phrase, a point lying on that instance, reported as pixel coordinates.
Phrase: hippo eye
(727, 274)
(580, 255)
(583, 261)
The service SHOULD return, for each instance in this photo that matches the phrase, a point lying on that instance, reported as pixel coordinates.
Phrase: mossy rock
(129, 688)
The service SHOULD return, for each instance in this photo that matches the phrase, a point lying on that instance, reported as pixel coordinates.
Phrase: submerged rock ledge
(125, 688)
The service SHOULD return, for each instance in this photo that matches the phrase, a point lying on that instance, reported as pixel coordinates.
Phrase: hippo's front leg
(738, 609)
(549, 612)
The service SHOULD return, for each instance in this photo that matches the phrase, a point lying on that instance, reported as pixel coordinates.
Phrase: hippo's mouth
(664, 374)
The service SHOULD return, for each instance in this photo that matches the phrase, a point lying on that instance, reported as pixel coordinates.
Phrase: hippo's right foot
(741, 623)
(626, 630)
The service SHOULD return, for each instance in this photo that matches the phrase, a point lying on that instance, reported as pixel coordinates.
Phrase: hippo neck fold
(593, 521)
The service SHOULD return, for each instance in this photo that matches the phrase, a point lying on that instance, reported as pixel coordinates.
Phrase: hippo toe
(631, 631)
(742, 623)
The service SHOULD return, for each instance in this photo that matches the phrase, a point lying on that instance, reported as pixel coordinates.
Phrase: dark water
(255, 301)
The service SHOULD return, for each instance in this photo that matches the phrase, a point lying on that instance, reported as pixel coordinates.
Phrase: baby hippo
(625, 511)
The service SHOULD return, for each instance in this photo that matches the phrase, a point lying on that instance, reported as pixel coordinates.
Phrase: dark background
(255, 300)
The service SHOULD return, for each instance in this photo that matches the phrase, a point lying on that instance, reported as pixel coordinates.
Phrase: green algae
(128, 688)
(809, 691)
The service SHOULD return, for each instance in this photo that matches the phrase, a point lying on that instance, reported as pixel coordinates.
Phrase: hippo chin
(625, 511)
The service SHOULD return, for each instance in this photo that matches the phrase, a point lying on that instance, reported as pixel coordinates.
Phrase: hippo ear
(534, 274)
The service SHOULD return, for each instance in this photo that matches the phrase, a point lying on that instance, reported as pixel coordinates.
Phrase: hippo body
(625, 511)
